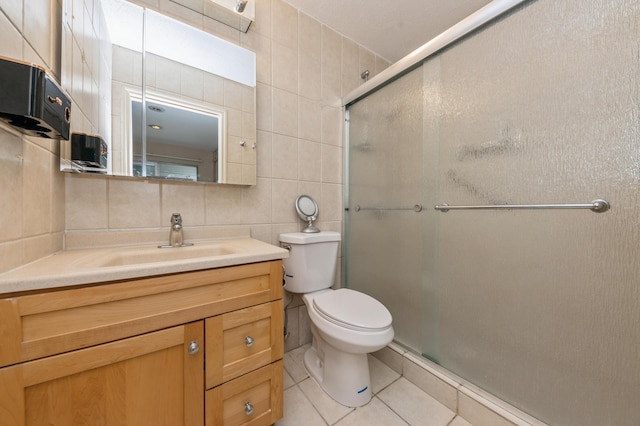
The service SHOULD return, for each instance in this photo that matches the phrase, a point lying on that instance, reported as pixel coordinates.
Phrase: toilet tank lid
(307, 238)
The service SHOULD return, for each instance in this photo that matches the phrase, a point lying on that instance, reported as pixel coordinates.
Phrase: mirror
(307, 209)
(182, 101)
(238, 14)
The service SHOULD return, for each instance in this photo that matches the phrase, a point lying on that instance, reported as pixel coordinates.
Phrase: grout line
(310, 401)
(385, 387)
(392, 410)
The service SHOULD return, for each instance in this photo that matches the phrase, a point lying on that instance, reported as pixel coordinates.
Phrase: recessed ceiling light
(155, 126)
(155, 108)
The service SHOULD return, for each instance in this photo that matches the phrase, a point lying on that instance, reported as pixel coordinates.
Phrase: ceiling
(390, 28)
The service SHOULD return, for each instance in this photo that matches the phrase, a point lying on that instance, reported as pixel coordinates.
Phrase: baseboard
(468, 401)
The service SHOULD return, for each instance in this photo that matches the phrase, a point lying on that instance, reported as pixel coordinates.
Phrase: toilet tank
(312, 260)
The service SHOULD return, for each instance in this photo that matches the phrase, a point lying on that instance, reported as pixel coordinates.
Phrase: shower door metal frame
(472, 22)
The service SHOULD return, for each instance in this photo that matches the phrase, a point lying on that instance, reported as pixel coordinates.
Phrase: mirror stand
(310, 228)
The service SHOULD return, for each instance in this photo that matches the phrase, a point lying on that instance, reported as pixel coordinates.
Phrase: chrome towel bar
(416, 208)
(597, 206)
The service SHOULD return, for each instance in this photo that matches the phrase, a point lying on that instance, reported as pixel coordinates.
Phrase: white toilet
(346, 324)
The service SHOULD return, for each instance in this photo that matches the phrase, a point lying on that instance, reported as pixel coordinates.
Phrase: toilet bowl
(346, 325)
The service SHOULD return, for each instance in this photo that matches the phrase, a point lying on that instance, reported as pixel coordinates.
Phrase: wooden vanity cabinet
(145, 351)
(149, 379)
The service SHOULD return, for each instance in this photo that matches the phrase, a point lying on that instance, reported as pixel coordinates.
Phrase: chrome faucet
(176, 238)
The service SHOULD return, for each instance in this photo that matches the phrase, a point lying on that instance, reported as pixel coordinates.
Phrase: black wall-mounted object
(31, 101)
(89, 152)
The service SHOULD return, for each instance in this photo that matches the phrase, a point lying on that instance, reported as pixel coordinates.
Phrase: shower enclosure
(540, 307)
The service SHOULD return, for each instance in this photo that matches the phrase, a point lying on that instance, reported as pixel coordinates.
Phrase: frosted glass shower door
(541, 307)
(384, 243)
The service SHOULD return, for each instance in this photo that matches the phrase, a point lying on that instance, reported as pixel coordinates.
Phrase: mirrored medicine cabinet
(182, 101)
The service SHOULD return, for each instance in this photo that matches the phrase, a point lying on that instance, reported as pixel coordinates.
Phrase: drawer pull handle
(248, 408)
(193, 348)
(248, 341)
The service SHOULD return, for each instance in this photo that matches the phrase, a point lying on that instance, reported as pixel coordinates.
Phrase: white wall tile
(36, 187)
(264, 107)
(134, 204)
(11, 10)
(188, 200)
(11, 176)
(310, 58)
(285, 157)
(285, 113)
(309, 119)
(284, 24)
(332, 159)
(309, 161)
(86, 200)
(332, 126)
(192, 82)
(331, 67)
(256, 202)
(10, 39)
(38, 31)
(284, 192)
(285, 67)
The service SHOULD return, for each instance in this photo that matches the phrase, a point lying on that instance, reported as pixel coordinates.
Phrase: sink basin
(137, 256)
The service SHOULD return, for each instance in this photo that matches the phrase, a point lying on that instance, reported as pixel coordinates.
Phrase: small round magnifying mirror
(308, 211)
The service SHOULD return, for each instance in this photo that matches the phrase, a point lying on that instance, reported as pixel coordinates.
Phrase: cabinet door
(241, 341)
(151, 379)
(254, 399)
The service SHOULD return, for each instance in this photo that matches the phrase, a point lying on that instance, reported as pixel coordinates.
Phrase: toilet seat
(353, 310)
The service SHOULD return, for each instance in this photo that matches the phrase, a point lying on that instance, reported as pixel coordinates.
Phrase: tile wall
(303, 70)
(31, 188)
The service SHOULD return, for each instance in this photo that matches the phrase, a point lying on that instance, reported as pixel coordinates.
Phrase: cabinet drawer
(43, 324)
(241, 341)
(253, 399)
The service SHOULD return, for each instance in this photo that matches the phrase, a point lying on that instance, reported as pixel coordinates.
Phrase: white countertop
(95, 265)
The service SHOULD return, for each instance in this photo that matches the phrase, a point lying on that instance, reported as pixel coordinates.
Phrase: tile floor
(396, 401)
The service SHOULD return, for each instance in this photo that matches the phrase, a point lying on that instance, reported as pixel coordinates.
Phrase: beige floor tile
(459, 421)
(298, 410)
(375, 413)
(294, 363)
(381, 375)
(330, 410)
(415, 406)
(288, 381)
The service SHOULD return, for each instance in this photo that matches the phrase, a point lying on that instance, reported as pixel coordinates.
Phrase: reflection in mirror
(208, 82)
(193, 158)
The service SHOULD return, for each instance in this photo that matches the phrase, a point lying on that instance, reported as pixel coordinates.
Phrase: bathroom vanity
(201, 346)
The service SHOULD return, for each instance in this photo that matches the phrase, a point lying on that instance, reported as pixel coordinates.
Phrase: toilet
(346, 325)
